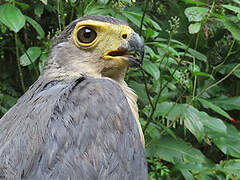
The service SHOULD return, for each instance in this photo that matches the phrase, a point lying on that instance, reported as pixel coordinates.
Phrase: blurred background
(188, 86)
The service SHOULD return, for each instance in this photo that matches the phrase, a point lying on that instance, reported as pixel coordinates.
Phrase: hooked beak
(136, 45)
(129, 50)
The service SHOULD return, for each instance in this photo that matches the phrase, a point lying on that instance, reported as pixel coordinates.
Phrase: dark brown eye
(86, 35)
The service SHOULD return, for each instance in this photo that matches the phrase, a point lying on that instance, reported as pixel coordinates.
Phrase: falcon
(79, 120)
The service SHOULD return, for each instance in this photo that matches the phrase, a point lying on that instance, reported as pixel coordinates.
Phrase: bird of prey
(79, 120)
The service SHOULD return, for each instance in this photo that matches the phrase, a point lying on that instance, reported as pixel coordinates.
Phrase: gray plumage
(80, 128)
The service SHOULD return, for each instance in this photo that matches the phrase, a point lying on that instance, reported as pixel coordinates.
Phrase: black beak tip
(134, 64)
(142, 52)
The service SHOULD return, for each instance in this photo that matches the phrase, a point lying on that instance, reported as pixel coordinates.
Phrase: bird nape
(79, 120)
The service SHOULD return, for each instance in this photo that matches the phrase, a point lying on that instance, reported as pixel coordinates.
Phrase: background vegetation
(188, 86)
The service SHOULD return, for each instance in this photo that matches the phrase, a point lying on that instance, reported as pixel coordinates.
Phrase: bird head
(99, 46)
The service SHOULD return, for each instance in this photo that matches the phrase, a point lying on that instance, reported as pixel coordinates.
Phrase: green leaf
(104, 2)
(197, 73)
(7, 102)
(152, 22)
(231, 167)
(140, 91)
(36, 26)
(201, 171)
(183, 112)
(232, 8)
(73, 1)
(197, 54)
(134, 19)
(212, 125)
(193, 52)
(42, 61)
(236, 1)
(193, 122)
(227, 103)
(149, 50)
(193, 119)
(225, 69)
(226, 137)
(3, 109)
(168, 130)
(232, 27)
(12, 17)
(193, 166)
(98, 10)
(153, 131)
(195, 2)
(38, 10)
(194, 28)
(229, 143)
(174, 150)
(169, 50)
(214, 107)
(149, 33)
(152, 69)
(33, 53)
(187, 175)
(24, 6)
(196, 14)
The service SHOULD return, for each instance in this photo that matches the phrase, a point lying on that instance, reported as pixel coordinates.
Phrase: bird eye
(86, 35)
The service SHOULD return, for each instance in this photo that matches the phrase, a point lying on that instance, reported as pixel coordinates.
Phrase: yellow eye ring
(85, 36)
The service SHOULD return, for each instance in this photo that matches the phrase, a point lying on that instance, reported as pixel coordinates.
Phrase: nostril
(124, 36)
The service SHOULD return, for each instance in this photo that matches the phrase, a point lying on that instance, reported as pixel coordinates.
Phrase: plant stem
(34, 67)
(88, 5)
(18, 63)
(72, 13)
(169, 125)
(197, 40)
(218, 82)
(144, 12)
(146, 88)
(59, 15)
(228, 54)
(195, 79)
(154, 106)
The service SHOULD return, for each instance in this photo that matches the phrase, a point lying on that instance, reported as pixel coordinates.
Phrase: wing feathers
(90, 134)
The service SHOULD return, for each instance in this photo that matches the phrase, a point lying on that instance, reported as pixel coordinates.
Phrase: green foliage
(196, 14)
(30, 56)
(36, 26)
(12, 17)
(188, 86)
